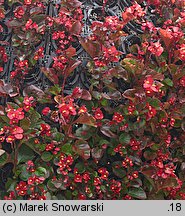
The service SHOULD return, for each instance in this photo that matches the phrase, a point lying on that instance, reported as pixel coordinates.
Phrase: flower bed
(124, 136)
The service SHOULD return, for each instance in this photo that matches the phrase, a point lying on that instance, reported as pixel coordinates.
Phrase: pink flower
(156, 48)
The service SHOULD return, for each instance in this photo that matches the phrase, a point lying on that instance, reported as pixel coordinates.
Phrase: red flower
(21, 188)
(151, 111)
(97, 181)
(45, 130)
(19, 12)
(86, 177)
(15, 115)
(78, 178)
(115, 186)
(182, 81)
(156, 48)
(104, 173)
(67, 109)
(81, 197)
(117, 117)
(148, 82)
(46, 111)
(134, 144)
(27, 103)
(82, 109)
(10, 139)
(28, 2)
(98, 114)
(31, 25)
(150, 85)
(17, 132)
(182, 52)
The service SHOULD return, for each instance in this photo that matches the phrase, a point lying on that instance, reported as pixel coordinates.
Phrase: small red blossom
(182, 81)
(104, 173)
(28, 102)
(115, 186)
(17, 132)
(98, 114)
(82, 109)
(151, 112)
(97, 181)
(46, 111)
(31, 25)
(67, 109)
(11, 196)
(15, 115)
(78, 178)
(27, 2)
(45, 130)
(182, 52)
(135, 145)
(156, 48)
(22, 188)
(117, 117)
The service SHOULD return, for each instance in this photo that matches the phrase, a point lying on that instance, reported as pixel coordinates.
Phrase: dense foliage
(101, 142)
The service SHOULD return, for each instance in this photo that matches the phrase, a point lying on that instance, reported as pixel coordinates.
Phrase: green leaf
(25, 123)
(46, 156)
(82, 148)
(10, 184)
(58, 136)
(3, 157)
(168, 82)
(67, 148)
(154, 102)
(24, 175)
(124, 138)
(41, 171)
(81, 167)
(25, 153)
(118, 169)
(137, 193)
(55, 90)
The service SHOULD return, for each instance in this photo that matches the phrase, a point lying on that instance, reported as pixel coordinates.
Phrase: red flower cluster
(115, 186)
(60, 62)
(22, 188)
(19, 12)
(31, 25)
(110, 54)
(150, 85)
(28, 103)
(15, 115)
(65, 163)
(117, 117)
(3, 54)
(182, 81)
(151, 112)
(135, 145)
(156, 48)
(182, 52)
(39, 53)
(52, 148)
(67, 109)
(104, 173)
(98, 114)
(127, 162)
(45, 130)
(34, 180)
